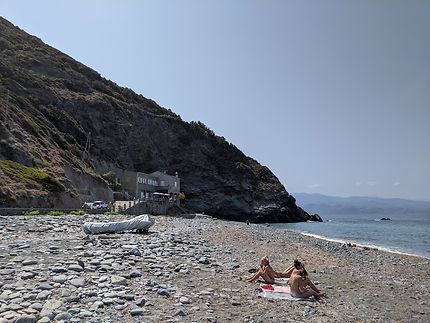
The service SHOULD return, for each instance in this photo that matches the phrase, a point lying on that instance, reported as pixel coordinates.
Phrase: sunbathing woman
(296, 266)
(299, 282)
(266, 272)
(269, 274)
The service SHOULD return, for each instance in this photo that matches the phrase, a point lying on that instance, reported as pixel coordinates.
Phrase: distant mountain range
(323, 204)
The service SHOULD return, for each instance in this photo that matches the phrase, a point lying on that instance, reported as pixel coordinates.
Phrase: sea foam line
(371, 246)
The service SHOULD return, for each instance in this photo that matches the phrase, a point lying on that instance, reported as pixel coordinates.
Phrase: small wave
(371, 246)
(322, 237)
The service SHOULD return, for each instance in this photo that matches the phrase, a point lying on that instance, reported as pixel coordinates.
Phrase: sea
(405, 234)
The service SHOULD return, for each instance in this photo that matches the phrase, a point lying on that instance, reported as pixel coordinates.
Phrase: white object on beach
(278, 280)
(272, 291)
(141, 222)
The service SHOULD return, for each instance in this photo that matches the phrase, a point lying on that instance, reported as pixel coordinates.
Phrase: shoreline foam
(363, 244)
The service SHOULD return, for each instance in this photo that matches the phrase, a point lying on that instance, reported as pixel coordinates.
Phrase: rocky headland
(63, 126)
(193, 270)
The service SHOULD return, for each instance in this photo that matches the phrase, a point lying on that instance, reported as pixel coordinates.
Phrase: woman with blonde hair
(269, 274)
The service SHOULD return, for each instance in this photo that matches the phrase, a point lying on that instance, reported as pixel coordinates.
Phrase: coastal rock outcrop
(64, 122)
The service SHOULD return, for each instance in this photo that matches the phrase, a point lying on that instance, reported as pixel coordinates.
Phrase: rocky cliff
(51, 104)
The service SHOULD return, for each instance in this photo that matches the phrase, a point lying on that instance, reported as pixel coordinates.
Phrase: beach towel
(278, 281)
(141, 222)
(274, 291)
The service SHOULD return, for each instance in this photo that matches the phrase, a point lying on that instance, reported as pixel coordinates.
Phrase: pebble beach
(194, 270)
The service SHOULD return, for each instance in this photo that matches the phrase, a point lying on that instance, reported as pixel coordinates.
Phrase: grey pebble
(43, 295)
(58, 269)
(36, 306)
(85, 313)
(44, 319)
(28, 275)
(120, 307)
(7, 272)
(204, 260)
(63, 316)
(107, 301)
(29, 262)
(59, 279)
(78, 282)
(136, 312)
(141, 302)
(118, 280)
(163, 292)
(26, 319)
(75, 267)
(235, 302)
(45, 286)
(135, 252)
(180, 312)
(15, 307)
(74, 310)
(135, 274)
(184, 300)
(129, 297)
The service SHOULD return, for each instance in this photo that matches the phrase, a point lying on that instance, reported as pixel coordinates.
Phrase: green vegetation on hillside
(77, 212)
(30, 175)
(35, 212)
(56, 213)
(111, 179)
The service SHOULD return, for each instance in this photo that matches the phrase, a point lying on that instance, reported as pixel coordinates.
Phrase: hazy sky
(332, 96)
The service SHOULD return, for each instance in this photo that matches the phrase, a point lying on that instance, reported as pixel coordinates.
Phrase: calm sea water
(409, 234)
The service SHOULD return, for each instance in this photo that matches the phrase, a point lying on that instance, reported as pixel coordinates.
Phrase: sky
(333, 96)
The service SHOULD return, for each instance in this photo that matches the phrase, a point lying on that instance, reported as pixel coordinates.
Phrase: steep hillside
(55, 103)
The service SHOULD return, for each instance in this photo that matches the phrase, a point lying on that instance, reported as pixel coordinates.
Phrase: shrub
(30, 175)
(34, 212)
(111, 213)
(55, 213)
(111, 178)
(181, 196)
(77, 212)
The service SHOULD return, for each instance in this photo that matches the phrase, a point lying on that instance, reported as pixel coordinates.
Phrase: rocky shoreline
(193, 270)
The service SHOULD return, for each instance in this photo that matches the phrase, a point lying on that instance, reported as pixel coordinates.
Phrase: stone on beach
(59, 279)
(136, 312)
(184, 300)
(118, 280)
(78, 282)
(26, 319)
(194, 270)
(75, 267)
(29, 262)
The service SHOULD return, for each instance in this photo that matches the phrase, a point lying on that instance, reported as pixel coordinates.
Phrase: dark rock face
(316, 218)
(55, 102)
